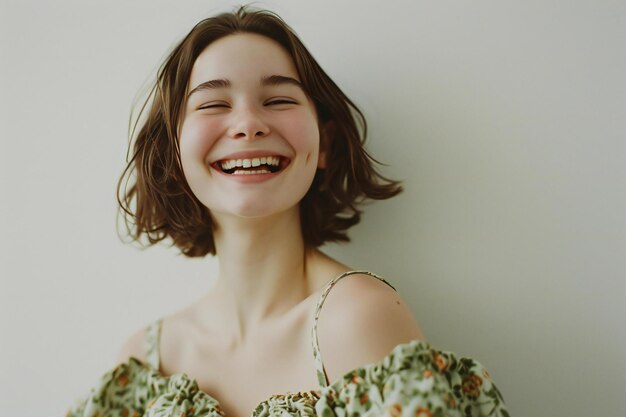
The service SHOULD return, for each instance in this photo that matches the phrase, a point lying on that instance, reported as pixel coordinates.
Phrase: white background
(505, 119)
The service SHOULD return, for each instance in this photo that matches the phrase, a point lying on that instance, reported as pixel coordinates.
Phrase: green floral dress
(414, 380)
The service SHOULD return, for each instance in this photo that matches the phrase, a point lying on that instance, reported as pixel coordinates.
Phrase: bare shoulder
(372, 319)
(134, 347)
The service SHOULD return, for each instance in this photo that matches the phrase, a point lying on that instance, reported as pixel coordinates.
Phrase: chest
(240, 390)
(273, 362)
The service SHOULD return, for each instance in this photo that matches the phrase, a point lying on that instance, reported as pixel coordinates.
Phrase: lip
(249, 178)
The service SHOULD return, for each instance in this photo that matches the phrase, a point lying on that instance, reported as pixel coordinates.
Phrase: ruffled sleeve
(134, 389)
(414, 380)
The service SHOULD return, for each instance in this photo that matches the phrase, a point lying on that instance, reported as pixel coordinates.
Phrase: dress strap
(322, 377)
(153, 343)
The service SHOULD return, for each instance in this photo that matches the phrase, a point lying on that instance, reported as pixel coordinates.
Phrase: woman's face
(249, 138)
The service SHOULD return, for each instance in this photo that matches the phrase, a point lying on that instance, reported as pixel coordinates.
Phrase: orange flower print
(124, 413)
(471, 386)
(449, 399)
(96, 414)
(422, 412)
(395, 410)
(364, 399)
(135, 413)
(441, 362)
(122, 380)
(330, 395)
(355, 379)
(428, 373)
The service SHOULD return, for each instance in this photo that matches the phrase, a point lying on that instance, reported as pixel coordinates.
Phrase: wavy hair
(154, 197)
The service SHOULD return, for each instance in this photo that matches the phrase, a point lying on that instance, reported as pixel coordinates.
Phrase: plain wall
(505, 119)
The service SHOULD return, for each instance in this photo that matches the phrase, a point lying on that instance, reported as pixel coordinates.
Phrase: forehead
(242, 57)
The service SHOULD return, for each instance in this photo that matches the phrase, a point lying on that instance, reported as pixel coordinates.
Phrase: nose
(248, 124)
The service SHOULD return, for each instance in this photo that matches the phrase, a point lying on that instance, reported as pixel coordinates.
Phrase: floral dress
(414, 379)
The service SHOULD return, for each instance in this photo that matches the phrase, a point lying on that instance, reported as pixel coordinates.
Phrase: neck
(262, 271)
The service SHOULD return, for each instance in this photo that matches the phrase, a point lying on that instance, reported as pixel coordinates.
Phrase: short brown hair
(165, 206)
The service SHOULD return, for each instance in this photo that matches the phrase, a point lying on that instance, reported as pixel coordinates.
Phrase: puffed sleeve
(414, 380)
(134, 389)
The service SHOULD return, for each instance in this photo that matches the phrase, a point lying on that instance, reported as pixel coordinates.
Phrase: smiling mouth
(250, 166)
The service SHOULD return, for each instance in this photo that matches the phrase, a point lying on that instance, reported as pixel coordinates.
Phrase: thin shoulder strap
(322, 377)
(153, 343)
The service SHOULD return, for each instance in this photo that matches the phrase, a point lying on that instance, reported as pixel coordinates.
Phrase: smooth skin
(249, 337)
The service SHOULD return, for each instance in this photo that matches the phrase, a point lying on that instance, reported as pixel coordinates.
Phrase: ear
(327, 133)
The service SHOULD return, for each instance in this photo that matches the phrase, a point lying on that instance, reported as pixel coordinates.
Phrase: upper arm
(134, 346)
(361, 321)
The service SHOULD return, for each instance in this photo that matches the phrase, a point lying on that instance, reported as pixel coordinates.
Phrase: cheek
(196, 139)
(303, 132)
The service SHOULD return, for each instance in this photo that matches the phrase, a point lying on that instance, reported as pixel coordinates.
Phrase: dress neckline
(153, 359)
(292, 398)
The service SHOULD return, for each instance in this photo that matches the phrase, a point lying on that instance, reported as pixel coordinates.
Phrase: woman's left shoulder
(372, 319)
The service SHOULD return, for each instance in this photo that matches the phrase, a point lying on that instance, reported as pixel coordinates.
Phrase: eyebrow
(274, 80)
(267, 81)
(210, 85)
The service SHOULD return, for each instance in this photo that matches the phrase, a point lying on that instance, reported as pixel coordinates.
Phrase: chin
(254, 210)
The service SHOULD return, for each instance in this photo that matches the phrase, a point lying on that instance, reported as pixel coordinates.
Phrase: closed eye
(213, 106)
(279, 101)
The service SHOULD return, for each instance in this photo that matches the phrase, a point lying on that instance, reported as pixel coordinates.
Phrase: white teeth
(247, 163)
(258, 171)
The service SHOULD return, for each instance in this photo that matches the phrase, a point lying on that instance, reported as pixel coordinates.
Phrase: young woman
(251, 153)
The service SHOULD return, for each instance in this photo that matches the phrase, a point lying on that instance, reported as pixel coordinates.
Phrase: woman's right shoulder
(176, 326)
(134, 346)
(173, 327)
